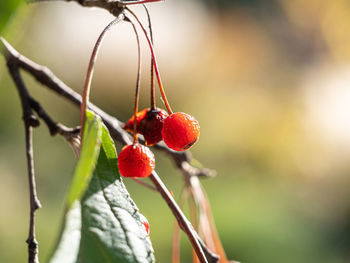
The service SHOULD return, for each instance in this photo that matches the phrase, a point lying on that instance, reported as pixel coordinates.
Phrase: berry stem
(154, 61)
(149, 186)
(153, 88)
(90, 71)
(138, 78)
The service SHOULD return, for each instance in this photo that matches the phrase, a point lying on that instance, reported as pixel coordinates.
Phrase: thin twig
(33, 246)
(30, 121)
(149, 186)
(72, 135)
(115, 7)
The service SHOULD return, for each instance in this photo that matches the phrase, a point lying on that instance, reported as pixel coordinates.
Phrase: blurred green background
(269, 82)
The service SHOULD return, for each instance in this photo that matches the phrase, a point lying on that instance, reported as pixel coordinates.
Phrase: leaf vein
(117, 218)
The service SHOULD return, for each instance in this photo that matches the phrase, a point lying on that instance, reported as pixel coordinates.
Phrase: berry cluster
(179, 131)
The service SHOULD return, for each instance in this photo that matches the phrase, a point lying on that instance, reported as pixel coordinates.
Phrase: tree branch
(30, 121)
(33, 246)
(115, 7)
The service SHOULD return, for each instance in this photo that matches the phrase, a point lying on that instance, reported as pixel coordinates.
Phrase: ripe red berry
(149, 124)
(145, 223)
(180, 131)
(136, 161)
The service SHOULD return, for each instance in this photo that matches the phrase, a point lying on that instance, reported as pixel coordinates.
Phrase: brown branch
(72, 135)
(113, 6)
(30, 121)
(181, 159)
(33, 246)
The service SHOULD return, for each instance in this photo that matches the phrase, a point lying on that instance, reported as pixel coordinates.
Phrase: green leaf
(110, 228)
(67, 248)
(88, 156)
(7, 9)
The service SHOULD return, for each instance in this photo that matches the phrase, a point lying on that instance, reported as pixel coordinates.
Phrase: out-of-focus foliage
(7, 9)
(269, 84)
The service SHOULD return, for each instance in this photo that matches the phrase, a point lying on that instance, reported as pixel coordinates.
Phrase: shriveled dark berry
(149, 124)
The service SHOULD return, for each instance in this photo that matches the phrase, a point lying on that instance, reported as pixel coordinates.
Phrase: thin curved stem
(137, 92)
(30, 121)
(194, 220)
(153, 88)
(90, 71)
(206, 219)
(151, 187)
(160, 84)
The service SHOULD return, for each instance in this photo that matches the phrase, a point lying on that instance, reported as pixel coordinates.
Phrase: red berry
(180, 131)
(149, 124)
(136, 161)
(145, 223)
